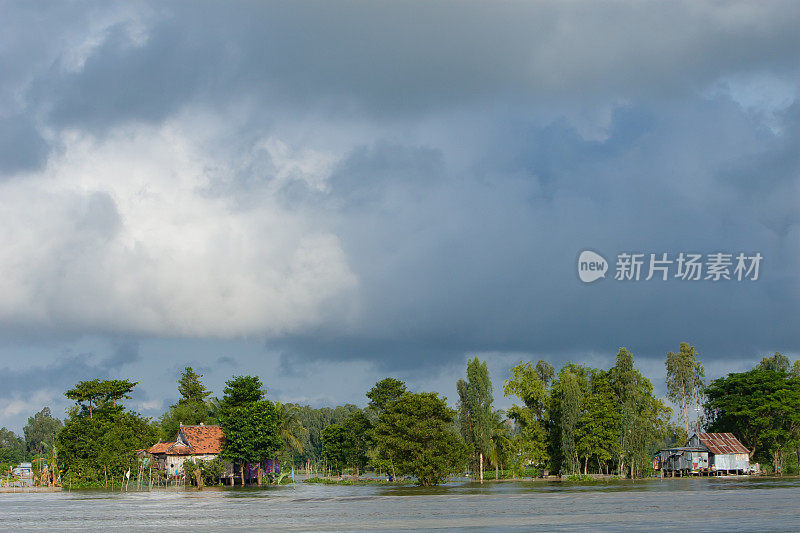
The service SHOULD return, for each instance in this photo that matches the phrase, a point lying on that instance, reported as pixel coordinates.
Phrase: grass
(360, 481)
(583, 478)
(511, 474)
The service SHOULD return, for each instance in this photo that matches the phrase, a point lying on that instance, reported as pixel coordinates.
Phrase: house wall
(731, 461)
(684, 460)
(174, 463)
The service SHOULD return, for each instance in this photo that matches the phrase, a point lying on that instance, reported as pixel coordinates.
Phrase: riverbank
(29, 489)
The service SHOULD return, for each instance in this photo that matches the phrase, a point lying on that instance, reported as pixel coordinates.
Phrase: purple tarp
(271, 466)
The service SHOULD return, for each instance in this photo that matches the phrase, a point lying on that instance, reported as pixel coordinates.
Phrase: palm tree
(500, 441)
(290, 428)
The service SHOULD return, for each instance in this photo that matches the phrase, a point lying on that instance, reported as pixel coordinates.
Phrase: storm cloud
(322, 191)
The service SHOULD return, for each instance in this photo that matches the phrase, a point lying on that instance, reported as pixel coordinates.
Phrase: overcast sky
(327, 193)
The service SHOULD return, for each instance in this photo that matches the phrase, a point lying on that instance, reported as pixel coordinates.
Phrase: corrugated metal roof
(722, 443)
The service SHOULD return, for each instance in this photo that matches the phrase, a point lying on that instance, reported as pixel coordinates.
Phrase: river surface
(700, 504)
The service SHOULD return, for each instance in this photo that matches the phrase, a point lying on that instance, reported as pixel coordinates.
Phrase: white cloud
(121, 235)
(15, 406)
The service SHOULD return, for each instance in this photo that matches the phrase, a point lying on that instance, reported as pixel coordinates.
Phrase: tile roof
(192, 440)
(160, 447)
(722, 443)
(203, 439)
(179, 449)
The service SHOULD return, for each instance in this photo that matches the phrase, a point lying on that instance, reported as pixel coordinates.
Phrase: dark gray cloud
(486, 261)
(387, 58)
(67, 370)
(388, 186)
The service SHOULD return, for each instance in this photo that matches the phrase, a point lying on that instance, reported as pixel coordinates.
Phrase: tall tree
(384, 392)
(192, 407)
(249, 423)
(475, 411)
(99, 394)
(191, 388)
(40, 431)
(415, 435)
(776, 363)
(530, 385)
(101, 437)
(643, 418)
(598, 426)
(242, 390)
(685, 384)
(567, 401)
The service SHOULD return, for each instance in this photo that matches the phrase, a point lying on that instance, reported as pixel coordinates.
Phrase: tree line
(572, 421)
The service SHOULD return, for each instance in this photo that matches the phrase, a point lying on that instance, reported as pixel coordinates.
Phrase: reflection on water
(729, 504)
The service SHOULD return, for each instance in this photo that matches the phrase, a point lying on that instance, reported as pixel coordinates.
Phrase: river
(693, 504)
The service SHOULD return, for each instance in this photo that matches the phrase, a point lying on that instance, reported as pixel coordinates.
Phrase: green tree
(242, 390)
(100, 394)
(100, 437)
(334, 446)
(315, 421)
(761, 407)
(384, 392)
(191, 388)
(12, 448)
(359, 432)
(347, 444)
(568, 393)
(40, 431)
(545, 371)
(249, 423)
(414, 433)
(796, 369)
(192, 407)
(476, 412)
(643, 418)
(685, 380)
(530, 385)
(776, 363)
(290, 428)
(597, 430)
(502, 446)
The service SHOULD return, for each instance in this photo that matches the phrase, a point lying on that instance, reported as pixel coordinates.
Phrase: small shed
(705, 454)
(24, 473)
(726, 453)
(692, 459)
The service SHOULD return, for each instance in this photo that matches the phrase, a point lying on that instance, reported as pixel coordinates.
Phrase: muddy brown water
(702, 504)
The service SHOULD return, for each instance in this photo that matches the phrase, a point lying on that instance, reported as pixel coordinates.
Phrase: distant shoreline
(29, 489)
(402, 484)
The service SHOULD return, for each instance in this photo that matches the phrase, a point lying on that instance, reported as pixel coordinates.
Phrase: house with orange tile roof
(191, 442)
